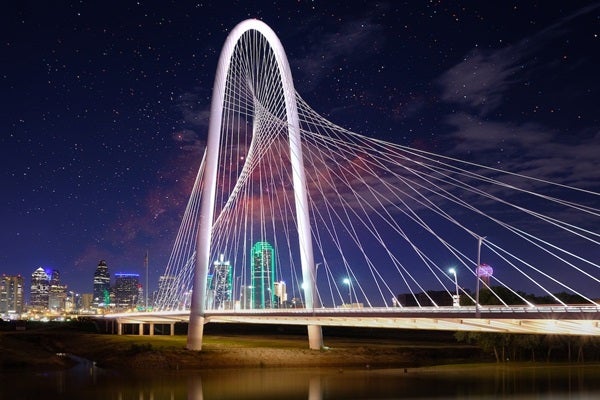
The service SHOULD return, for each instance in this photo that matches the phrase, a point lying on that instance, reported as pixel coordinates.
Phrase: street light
(348, 282)
(479, 242)
(315, 290)
(456, 300)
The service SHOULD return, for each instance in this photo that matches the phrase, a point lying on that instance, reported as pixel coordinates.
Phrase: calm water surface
(524, 382)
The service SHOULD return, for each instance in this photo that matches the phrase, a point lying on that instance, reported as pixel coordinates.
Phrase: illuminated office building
(127, 289)
(39, 290)
(280, 294)
(57, 293)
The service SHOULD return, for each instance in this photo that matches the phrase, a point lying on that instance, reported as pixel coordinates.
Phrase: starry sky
(105, 105)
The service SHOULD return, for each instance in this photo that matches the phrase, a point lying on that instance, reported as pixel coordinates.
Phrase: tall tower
(262, 272)
(101, 285)
(222, 284)
(39, 290)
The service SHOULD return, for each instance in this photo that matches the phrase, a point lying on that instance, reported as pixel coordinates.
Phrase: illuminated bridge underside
(549, 320)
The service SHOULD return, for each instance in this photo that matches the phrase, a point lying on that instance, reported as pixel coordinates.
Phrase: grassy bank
(230, 347)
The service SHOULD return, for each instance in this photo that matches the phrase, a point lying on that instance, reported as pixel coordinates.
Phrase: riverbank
(44, 348)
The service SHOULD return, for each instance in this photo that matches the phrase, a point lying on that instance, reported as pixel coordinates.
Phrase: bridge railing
(424, 310)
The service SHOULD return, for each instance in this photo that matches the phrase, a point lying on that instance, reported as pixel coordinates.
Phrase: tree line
(528, 347)
(506, 347)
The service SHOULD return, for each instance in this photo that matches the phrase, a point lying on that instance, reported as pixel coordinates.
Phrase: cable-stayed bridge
(294, 219)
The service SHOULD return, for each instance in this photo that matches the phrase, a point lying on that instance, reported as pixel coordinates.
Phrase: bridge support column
(141, 329)
(195, 332)
(315, 337)
(172, 329)
(151, 329)
(119, 328)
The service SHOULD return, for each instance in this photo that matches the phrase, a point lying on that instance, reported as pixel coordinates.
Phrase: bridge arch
(207, 207)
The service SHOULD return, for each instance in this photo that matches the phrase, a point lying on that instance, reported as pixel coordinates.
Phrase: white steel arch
(207, 207)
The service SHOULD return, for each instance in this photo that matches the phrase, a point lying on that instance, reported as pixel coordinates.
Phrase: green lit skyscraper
(262, 274)
(101, 285)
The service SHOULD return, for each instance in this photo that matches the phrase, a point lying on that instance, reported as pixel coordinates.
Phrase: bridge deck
(571, 320)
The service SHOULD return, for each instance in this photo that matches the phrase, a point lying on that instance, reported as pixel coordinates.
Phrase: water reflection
(524, 382)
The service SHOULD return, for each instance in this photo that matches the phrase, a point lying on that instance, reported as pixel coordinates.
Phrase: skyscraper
(101, 285)
(39, 289)
(11, 294)
(262, 272)
(127, 287)
(222, 284)
(57, 293)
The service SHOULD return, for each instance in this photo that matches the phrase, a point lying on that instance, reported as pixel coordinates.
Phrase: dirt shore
(45, 349)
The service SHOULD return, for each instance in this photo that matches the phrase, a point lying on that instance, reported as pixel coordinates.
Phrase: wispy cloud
(480, 81)
(332, 47)
(195, 113)
(479, 85)
(529, 149)
(189, 140)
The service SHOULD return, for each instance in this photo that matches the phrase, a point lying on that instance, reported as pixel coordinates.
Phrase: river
(523, 381)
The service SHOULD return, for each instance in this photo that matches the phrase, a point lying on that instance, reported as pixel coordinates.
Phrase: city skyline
(106, 109)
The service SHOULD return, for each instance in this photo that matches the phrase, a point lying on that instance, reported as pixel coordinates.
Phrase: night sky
(105, 105)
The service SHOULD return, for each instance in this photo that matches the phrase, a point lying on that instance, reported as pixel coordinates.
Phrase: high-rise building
(168, 288)
(245, 297)
(166, 283)
(222, 284)
(101, 285)
(262, 272)
(126, 291)
(280, 294)
(57, 293)
(39, 289)
(87, 300)
(11, 294)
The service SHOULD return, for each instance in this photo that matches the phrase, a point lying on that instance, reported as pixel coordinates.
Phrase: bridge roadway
(569, 320)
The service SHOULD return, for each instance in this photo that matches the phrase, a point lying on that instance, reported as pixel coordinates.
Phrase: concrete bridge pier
(195, 332)
(315, 337)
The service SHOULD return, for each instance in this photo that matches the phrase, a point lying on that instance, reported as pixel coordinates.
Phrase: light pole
(456, 302)
(348, 282)
(315, 290)
(479, 243)
(237, 289)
